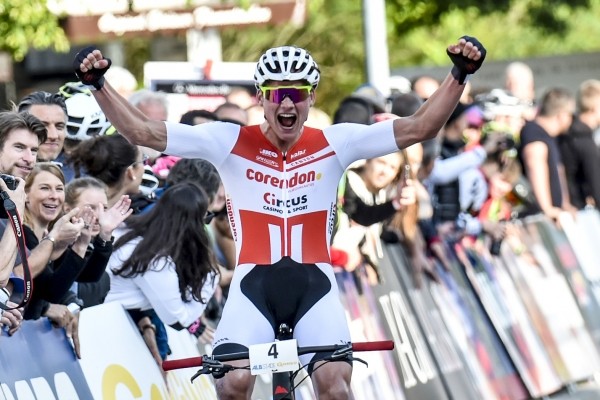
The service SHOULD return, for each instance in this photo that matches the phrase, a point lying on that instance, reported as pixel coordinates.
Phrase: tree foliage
(418, 33)
(333, 34)
(27, 24)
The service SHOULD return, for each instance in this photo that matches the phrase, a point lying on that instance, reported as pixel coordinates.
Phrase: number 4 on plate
(271, 357)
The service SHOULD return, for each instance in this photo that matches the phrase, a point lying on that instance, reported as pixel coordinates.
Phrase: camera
(10, 181)
(11, 184)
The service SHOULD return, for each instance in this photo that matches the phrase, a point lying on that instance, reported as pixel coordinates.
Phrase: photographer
(8, 244)
(21, 135)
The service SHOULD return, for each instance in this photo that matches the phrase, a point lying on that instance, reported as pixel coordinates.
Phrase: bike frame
(283, 386)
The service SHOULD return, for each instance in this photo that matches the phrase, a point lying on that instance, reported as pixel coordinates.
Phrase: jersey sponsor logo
(231, 218)
(267, 161)
(293, 205)
(297, 154)
(302, 160)
(299, 178)
(268, 153)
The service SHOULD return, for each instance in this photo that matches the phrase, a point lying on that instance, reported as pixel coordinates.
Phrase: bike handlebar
(357, 346)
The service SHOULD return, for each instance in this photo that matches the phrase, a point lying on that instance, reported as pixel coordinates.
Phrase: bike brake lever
(210, 366)
(343, 352)
(359, 360)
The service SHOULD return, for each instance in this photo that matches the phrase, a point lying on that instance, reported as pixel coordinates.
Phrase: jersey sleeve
(353, 142)
(211, 141)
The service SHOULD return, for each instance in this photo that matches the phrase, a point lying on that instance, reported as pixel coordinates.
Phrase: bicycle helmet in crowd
(85, 118)
(70, 88)
(149, 181)
(499, 102)
(286, 63)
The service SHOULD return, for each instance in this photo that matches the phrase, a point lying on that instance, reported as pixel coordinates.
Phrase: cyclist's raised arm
(90, 67)
(467, 55)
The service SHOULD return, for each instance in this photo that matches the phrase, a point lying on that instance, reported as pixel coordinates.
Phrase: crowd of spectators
(106, 220)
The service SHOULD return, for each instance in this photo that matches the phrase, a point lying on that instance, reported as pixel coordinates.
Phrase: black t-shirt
(581, 159)
(532, 132)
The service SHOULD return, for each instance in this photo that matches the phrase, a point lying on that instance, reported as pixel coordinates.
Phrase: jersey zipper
(284, 198)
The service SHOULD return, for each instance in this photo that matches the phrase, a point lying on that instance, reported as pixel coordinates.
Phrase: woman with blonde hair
(45, 189)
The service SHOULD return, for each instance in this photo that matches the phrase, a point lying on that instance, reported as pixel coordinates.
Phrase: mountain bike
(279, 357)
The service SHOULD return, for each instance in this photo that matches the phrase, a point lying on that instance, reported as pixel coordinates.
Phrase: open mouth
(287, 120)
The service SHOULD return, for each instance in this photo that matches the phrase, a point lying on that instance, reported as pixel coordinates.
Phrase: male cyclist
(281, 179)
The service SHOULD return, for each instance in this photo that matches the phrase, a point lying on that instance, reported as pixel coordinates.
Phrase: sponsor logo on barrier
(417, 365)
(42, 389)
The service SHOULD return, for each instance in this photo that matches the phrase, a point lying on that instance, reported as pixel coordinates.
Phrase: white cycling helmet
(499, 102)
(70, 88)
(286, 63)
(85, 118)
(149, 181)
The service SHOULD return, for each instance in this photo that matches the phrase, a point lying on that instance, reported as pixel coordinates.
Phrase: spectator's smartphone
(405, 174)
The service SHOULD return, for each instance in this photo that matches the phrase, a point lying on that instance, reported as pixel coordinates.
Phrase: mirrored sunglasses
(276, 94)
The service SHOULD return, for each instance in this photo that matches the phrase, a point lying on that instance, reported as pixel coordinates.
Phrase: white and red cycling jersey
(280, 204)
(281, 209)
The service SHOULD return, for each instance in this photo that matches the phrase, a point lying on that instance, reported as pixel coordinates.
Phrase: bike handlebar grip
(373, 346)
(182, 363)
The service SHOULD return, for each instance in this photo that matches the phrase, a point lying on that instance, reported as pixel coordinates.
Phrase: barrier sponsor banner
(573, 251)
(550, 304)
(381, 378)
(503, 306)
(114, 358)
(446, 355)
(184, 345)
(491, 354)
(38, 363)
(419, 374)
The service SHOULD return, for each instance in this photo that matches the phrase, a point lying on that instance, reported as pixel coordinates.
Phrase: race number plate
(278, 356)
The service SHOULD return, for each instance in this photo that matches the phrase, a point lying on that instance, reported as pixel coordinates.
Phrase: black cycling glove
(464, 66)
(95, 76)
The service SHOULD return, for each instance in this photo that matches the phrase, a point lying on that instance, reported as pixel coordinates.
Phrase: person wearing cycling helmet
(281, 179)
(50, 108)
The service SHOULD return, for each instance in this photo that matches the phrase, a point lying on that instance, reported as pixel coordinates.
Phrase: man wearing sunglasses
(281, 179)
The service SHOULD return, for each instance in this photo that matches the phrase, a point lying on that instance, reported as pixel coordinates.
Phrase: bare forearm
(431, 117)
(564, 186)
(539, 184)
(129, 121)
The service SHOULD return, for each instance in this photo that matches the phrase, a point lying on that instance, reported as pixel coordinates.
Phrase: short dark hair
(11, 120)
(355, 110)
(555, 100)
(196, 170)
(188, 117)
(406, 104)
(44, 99)
(104, 157)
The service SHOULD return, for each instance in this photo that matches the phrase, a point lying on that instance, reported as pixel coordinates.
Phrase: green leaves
(27, 24)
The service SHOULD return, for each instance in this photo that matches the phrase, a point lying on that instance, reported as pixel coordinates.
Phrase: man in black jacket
(580, 154)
